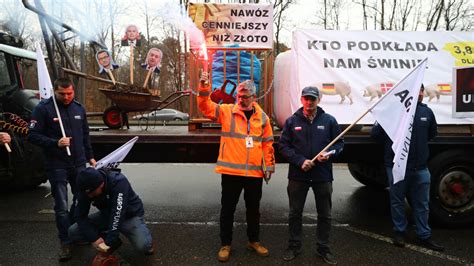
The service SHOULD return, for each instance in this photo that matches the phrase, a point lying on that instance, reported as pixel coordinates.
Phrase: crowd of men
(246, 160)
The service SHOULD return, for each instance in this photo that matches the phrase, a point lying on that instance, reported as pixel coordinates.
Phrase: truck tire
(452, 188)
(371, 175)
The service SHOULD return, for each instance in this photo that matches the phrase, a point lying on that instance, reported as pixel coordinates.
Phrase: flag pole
(60, 121)
(7, 147)
(365, 113)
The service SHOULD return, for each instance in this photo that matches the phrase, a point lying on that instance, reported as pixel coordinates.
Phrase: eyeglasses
(245, 97)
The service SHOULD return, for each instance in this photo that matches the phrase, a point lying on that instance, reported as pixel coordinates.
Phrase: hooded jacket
(117, 203)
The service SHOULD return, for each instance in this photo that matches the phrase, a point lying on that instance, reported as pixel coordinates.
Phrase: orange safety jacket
(235, 158)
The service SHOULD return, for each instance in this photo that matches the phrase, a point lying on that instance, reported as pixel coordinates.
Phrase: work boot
(327, 256)
(399, 239)
(224, 254)
(65, 252)
(261, 250)
(429, 243)
(291, 253)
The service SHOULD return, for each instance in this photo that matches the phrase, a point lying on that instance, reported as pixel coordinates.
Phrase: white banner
(248, 26)
(355, 68)
(44, 81)
(395, 112)
(116, 157)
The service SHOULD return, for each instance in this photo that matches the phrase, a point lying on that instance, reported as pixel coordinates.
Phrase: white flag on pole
(116, 157)
(395, 113)
(44, 81)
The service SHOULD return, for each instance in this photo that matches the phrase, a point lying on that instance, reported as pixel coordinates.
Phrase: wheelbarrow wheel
(114, 118)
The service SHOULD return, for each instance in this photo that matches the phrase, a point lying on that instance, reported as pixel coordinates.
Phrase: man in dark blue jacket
(61, 169)
(120, 211)
(416, 184)
(307, 132)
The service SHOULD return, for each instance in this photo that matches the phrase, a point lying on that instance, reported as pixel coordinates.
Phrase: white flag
(395, 112)
(116, 157)
(44, 81)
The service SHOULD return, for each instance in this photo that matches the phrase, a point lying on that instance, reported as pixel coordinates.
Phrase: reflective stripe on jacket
(234, 157)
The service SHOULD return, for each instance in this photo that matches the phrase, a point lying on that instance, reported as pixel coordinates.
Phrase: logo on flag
(444, 88)
(329, 87)
(116, 157)
(384, 87)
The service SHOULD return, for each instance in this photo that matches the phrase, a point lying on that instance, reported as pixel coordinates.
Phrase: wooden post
(147, 77)
(131, 64)
(109, 72)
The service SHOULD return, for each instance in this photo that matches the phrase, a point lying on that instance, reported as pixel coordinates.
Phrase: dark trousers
(231, 188)
(297, 192)
(59, 178)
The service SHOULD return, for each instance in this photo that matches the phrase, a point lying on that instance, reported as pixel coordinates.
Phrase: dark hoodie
(117, 203)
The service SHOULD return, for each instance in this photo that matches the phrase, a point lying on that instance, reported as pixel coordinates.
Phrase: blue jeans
(134, 229)
(415, 186)
(58, 179)
(297, 192)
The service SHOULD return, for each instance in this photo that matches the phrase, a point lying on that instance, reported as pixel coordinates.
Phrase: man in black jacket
(307, 132)
(416, 184)
(61, 169)
(120, 211)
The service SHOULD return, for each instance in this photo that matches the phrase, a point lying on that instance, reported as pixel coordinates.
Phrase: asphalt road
(182, 203)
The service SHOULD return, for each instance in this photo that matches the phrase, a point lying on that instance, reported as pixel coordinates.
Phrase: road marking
(407, 246)
(46, 211)
(346, 227)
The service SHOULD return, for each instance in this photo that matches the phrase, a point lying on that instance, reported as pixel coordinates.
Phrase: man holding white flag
(405, 129)
(46, 132)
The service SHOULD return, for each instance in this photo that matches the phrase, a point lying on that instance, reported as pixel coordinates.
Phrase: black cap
(310, 91)
(89, 180)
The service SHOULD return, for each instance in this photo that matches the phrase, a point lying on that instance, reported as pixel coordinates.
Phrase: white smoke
(176, 15)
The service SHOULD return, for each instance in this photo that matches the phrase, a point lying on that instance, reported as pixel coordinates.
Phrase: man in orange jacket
(246, 157)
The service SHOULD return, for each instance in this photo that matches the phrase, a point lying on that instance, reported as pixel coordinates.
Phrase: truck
(23, 167)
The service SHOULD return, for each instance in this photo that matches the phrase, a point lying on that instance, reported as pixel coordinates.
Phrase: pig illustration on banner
(377, 90)
(343, 89)
(436, 90)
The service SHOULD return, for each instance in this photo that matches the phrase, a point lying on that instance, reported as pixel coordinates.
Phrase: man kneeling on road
(120, 211)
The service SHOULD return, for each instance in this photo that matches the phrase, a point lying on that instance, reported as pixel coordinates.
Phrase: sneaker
(65, 252)
(224, 254)
(399, 239)
(261, 250)
(291, 253)
(327, 256)
(429, 243)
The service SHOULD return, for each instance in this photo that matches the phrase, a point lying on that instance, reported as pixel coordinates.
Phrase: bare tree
(330, 14)
(456, 11)
(279, 8)
(434, 14)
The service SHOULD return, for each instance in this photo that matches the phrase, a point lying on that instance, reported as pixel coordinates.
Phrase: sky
(300, 14)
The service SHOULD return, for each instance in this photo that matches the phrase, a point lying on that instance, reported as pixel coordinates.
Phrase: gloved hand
(268, 176)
